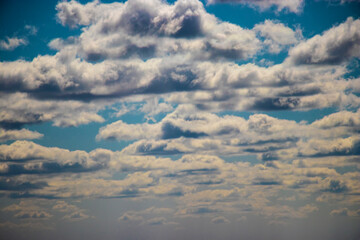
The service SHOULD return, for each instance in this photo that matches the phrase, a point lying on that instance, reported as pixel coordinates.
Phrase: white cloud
(187, 130)
(28, 210)
(31, 29)
(345, 212)
(43, 160)
(18, 109)
(107, 61)
(73, 13)
(218, 220)
(334, 46)
(199, 185)
(6, 135)
(184, 28)
(11, 43)
(277, 35)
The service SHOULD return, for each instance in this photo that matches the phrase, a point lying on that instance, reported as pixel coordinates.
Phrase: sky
(187, 119)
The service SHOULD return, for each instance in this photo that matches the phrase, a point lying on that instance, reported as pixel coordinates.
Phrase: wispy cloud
(11, 43)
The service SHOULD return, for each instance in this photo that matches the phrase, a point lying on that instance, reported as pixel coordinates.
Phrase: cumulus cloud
(183, 69)
(7, 135)
(27, 210)
(73, 13)
(340, 119)
(36, 159)
(76, 216)
(334, 46)
(107, 61)
(165, 29)
(19, 108)
(277, 35)
(201, 185)
(187, 130)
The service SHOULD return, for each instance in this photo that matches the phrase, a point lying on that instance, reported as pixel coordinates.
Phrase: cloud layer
(185, 55)
(192, 101)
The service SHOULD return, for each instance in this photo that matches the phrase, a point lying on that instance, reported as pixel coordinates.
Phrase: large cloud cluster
(189, 131)
(183, 54)
(181, 60)
(198, 184)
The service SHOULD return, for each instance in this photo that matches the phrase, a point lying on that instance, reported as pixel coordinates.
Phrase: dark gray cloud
(274, 104)
(48, 168)
(266, 181)
(13, 185)
(170, 131)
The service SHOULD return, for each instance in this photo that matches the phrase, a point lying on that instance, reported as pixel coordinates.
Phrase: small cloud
(32, 30)
(154, 107)
(76, 216)
(7, 135)
(11, 43)
(345, 212)
(220, 219)
(159, 221)
(128, 217)
(33, 215)
(156, 221)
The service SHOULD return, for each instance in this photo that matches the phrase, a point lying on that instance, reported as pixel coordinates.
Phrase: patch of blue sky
(13, 20)
(316, 17)
(82, 137)
(353, 69)
(298, 116)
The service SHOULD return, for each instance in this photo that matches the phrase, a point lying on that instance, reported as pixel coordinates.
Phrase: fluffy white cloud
(36, 159)
(177, 51)
(200, 185)
(6, 135)
(277, 35)
(19, 108)
(179, 29)
(340, 119)
(187, 130)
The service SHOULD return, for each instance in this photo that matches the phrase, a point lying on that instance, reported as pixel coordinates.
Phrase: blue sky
(150, 119)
